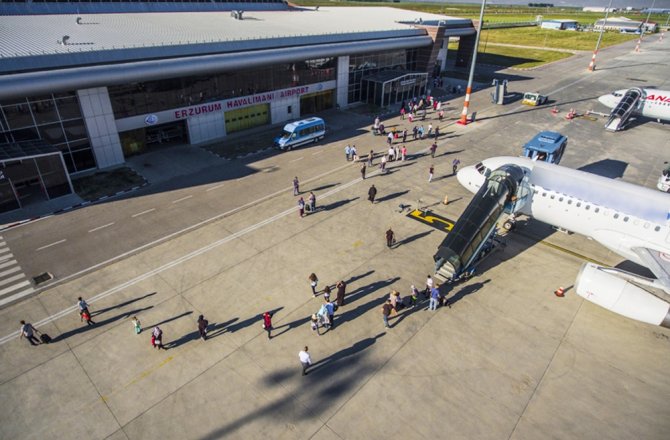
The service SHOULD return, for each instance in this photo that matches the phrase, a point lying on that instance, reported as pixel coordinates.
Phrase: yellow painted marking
(433, 220)
(358, 243)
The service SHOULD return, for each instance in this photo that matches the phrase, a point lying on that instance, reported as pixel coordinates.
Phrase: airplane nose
(470, 178)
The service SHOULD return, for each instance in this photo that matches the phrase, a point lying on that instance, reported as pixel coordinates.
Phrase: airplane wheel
(509, 225)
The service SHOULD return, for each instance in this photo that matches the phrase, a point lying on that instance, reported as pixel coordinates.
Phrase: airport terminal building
(84, 90)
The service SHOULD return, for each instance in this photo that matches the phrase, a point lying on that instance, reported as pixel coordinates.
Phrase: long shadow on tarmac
(467, 290)
(392, 196)
(412, 238)
(86, 328)
(329, 379)
(364, 290)
(219, 328)
(335, 205)
(123, 304)
(165, 321)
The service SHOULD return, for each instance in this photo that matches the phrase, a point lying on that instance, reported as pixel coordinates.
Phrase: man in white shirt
(429, 286)
(305, 359)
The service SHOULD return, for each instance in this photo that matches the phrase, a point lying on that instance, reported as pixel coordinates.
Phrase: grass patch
(519, 58)
(106, 183)
(534, 36)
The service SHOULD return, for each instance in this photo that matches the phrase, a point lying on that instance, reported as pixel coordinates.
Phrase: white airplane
(651, 103)
(630, 220)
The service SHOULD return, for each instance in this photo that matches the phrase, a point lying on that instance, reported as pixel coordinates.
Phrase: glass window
(83, 159)
(68, 108)
(52, 133)
(25, 134)
(18, 116)
(75, 129)
(44, 112)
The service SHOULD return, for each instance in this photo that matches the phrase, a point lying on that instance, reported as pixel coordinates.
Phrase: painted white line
(16, 296)
(8, 271)
(182, 259)
(182, 199)
(52, 244)
(143, 212)
(12, 279)
(3, 250)
(317, 152)
(8, 263)
(190, 228)
(6, 257)
(15, 287)
(101, 227)
(295, 160)
(215, 187)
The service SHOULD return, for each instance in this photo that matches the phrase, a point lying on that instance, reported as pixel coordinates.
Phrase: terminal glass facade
(361, 66)
(154, 96)
(55, 119)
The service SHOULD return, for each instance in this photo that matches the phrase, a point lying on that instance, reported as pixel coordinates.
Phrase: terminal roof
(41, 42)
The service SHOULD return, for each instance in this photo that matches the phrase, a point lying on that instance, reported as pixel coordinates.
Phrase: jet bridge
(620, 114)
(472, 234)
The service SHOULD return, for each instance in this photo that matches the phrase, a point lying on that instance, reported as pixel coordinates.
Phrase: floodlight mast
(643, 28)
(468, 89)
(592, 64)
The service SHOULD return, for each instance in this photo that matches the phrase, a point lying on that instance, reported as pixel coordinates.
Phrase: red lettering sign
(197, 110)
(658, 98)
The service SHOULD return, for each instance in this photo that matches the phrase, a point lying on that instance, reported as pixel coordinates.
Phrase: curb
(73, 207)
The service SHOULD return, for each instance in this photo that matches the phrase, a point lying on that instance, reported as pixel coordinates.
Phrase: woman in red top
(267, 323)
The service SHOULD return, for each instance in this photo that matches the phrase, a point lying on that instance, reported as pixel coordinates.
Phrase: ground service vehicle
(534, 99)
(664, 181)
(300, 133)
(547, 146)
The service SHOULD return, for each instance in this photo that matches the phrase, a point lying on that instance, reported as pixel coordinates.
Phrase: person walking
(296, 186)
(403, 153)
(86, 316)
(429, 285)
(157, 338)
(326, 293)
(341, 291)
(437, 132)
(312, 202)
(404, 135)
(370, 158)
(386, 312)
(363, 172)
(301, 207)
(454, 165)
(305, 359)
(397, 152)
(389, 138)
(202, 327)
(433, 149)
(434, 297)
(354, 153)
(430, 129)
(28, 331)
(382, 164)
(390, 238)
(414, 295)
(372, 193)
(430, 173)
(421, 132)
(347, 152)
(330, 311)
(267, 323)
(415, 131)
(402, 113)
(315, 324)
(391, 153)
(440, 115)
(313, 282)
(137, 325)
(83, 307)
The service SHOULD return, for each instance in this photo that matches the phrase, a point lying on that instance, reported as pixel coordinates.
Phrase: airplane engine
(621, 296)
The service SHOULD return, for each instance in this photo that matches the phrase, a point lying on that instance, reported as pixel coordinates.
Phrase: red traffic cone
(560, 292)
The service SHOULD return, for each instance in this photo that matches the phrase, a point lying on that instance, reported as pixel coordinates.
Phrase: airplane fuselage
(654, 104)
(619, 215)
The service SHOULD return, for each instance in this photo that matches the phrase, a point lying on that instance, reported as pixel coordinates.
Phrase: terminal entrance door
(315, 102)
(391, 87)
(247, 117)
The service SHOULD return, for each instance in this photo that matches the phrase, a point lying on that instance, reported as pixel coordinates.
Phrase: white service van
(300, 133)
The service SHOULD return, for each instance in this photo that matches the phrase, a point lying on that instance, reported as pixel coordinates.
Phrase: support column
(96, 109)
(342, 92)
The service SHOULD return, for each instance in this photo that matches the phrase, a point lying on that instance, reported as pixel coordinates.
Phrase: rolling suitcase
(45, 338)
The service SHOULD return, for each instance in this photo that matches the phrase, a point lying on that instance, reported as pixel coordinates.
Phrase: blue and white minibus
(300, 133)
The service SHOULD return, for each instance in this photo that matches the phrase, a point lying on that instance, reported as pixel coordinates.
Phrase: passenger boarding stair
(472, 235)
(620, 114)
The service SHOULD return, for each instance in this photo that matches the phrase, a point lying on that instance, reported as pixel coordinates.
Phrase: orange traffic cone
(560, 292)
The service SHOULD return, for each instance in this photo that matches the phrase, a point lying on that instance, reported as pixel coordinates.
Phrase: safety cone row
(560, 292)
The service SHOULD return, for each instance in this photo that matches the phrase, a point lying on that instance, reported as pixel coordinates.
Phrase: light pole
(592, 64)
(644, 27)
(468, 89)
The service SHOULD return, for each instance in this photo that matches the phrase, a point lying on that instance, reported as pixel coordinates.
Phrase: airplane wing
(658, 263)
